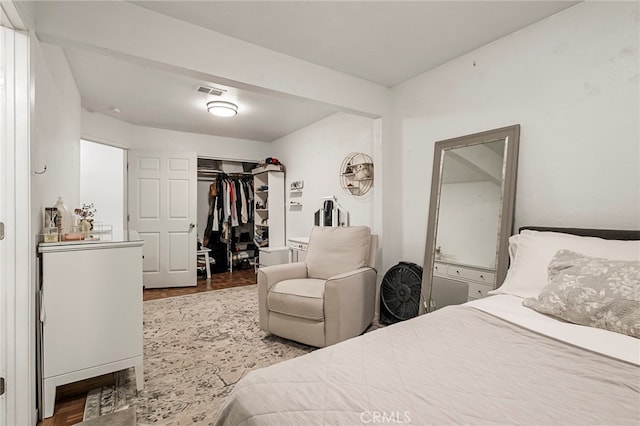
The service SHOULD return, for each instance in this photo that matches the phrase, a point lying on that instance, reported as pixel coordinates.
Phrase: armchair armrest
(270, 276)
(349, 304)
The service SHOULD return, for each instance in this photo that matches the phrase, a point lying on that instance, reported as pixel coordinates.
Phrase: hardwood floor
(70, 399)
(236, 278)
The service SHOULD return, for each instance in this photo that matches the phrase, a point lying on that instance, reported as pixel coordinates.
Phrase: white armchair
(326, 299)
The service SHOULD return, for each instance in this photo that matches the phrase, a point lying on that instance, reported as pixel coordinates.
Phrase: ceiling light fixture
(222, 108)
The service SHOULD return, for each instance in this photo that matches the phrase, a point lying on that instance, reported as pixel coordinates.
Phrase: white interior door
(162, 208)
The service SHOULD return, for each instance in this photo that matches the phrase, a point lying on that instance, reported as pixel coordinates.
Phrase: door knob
(191, 226)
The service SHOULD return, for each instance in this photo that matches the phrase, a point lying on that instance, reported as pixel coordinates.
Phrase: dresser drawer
(439, 269)
(480, 276)
(477, 290)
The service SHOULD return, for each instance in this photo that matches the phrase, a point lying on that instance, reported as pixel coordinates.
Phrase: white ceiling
(151, 97)
(383, 42)
(386, 42)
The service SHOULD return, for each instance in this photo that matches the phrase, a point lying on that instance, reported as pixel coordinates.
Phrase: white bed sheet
(510, 308)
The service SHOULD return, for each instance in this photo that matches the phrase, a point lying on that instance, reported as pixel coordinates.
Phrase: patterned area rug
(124, 417)
(196, 347)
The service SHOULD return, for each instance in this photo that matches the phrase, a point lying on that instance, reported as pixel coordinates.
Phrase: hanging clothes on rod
(230, 204)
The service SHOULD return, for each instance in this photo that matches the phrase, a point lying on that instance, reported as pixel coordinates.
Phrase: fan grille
(401, 290)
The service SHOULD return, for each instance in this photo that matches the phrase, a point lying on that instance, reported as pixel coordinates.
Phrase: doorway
(17, 251)
(102, 183)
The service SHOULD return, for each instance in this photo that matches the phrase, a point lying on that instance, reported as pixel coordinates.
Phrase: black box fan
(400, 293)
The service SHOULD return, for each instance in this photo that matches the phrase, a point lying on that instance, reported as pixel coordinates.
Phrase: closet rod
(228, 160)
(212, 176)
(237, 174)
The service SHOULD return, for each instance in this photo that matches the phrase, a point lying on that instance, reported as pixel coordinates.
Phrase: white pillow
(513, 248)
(527, 275)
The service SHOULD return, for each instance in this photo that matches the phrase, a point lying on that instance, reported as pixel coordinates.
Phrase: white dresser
(298, 248)
(480, 280)
(90, 312)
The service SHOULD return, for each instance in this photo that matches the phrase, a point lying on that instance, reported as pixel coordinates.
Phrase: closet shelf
(262, 210)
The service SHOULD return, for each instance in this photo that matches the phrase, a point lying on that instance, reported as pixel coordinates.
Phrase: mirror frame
(511, 136)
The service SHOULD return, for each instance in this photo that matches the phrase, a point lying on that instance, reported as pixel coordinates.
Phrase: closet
(226, 213)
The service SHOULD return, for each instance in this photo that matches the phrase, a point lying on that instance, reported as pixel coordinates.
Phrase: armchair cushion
(302, 298)
(336, 250)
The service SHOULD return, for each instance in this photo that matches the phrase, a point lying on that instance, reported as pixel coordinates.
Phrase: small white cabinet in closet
(480, 280)
(268, 186)
(90, 312)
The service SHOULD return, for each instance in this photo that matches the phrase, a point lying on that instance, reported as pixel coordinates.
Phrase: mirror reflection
(470, 216)
(470, 204)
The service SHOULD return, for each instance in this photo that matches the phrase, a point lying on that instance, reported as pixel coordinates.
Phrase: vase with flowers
(86, 214)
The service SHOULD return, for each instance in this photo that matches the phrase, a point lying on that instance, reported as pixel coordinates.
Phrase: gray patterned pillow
(591, 291)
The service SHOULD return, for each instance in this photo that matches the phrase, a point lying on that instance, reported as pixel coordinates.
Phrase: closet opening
(225, 215)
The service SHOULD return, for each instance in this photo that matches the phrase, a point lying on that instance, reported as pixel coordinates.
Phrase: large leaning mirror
(470, 216)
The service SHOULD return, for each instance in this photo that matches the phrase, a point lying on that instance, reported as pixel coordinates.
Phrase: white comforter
(458, 365)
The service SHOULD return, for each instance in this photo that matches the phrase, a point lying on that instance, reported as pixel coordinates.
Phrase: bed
(490, 361)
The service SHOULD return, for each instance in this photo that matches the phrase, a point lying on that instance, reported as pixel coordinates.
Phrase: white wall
(101, 128)
(102, 182)
(314, 154)
(55, 132)
(571, 81)
(203, 145)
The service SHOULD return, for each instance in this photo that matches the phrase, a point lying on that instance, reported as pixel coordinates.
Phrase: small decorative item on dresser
(86, 213)
(50, 216)
(50, 234)
(85, 226)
